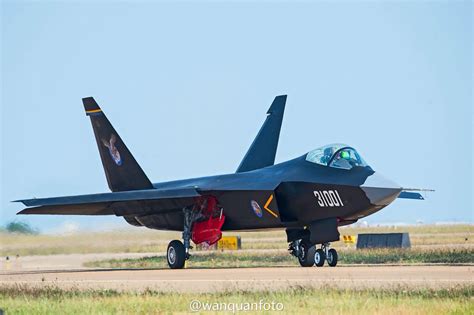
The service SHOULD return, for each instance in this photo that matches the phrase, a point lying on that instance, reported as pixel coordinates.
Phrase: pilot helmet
(345, 155)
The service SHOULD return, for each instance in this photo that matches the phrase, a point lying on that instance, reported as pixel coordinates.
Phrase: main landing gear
(176, 255)
(202, 223)
(178, 252)
(308, 255)
(304, 251)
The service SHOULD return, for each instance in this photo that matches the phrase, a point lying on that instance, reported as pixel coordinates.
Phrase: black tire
(176, 255)
(319, 258)
(307, 257)
(332, 257)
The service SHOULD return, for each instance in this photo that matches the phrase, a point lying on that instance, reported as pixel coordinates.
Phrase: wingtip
(26, 202)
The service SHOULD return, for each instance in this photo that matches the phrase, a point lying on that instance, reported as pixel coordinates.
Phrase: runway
(212, 280)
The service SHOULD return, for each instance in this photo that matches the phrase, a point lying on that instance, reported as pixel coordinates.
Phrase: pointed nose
(380, 190)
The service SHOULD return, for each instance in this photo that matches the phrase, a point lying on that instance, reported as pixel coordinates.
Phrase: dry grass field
(139, 240)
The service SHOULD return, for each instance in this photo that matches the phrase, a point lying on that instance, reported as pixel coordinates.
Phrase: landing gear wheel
(332, 257)
(176, 255)
(319, 257)
(306, 257)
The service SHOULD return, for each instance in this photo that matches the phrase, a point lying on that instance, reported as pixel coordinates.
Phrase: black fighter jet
(309, 196)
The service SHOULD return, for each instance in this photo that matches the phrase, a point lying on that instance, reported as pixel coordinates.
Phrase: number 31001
(328, 198)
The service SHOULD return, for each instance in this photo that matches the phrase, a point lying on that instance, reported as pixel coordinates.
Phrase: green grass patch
(203, 260)
(298, 300)
(236, 259)
(408, 256)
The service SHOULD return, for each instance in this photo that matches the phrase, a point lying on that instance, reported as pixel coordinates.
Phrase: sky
(187, 86)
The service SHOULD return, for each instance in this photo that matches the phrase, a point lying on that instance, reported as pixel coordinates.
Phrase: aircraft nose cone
(380, 190)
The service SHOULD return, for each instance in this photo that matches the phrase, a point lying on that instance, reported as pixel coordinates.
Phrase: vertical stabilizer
(121, 169)
(263, 149)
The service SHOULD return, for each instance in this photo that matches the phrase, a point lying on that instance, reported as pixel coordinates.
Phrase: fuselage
(292, 194)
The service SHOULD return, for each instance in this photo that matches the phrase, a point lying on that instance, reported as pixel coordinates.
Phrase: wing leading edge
(117, 203)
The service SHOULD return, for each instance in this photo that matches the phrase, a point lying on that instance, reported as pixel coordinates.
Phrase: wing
(413, 193)
(410, 195)
(138, 202)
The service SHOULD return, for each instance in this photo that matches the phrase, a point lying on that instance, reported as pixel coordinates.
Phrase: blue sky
(187, 86)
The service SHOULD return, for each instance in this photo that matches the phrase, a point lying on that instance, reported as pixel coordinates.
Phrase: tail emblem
(114, 153)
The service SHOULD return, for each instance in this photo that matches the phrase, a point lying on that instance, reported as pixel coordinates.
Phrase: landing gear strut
(189, 217)
(178, 252)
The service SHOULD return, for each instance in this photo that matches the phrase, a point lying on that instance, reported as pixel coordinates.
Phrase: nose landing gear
(332, 257)
(319, 257)
(308, 255)
(325, 253)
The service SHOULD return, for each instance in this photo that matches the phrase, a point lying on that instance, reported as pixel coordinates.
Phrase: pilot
(343, 160)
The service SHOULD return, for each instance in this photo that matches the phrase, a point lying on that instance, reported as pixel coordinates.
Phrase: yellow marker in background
(349, 239)
(229, 242)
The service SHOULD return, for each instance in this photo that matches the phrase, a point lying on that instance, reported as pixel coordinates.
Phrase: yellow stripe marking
(93, 111)
(267, 204)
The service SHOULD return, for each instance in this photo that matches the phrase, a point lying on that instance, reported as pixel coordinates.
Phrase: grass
(136, 240)
(298, 300)
(204, 260)
(233, 259)
(407, 256)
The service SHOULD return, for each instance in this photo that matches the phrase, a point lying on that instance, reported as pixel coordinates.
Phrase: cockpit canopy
(336, 155)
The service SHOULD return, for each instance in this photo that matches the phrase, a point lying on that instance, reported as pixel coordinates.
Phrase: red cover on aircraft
(208, 231)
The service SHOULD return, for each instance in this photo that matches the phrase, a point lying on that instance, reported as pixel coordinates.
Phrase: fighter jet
(309, 196)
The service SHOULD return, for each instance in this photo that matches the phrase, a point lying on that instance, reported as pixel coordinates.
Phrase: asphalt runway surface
(273, 278)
